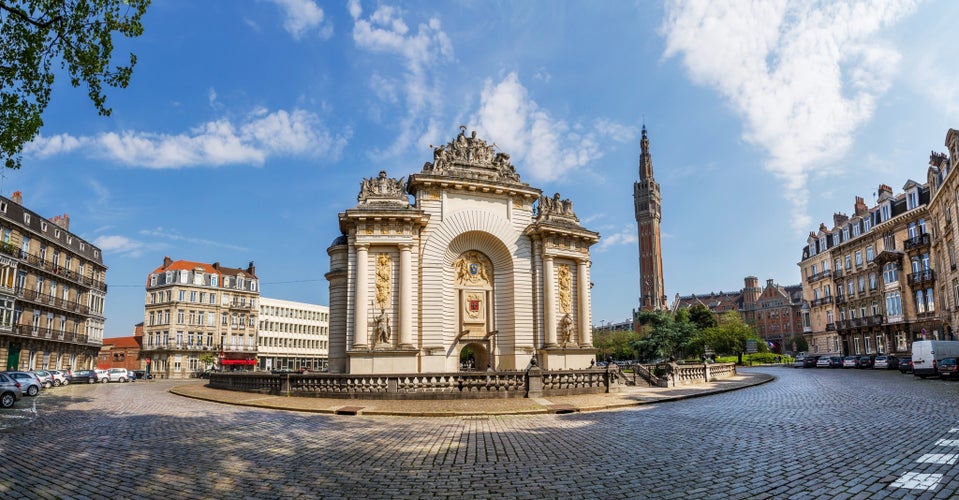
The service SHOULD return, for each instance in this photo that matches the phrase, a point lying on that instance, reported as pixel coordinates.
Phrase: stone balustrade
(458, 385)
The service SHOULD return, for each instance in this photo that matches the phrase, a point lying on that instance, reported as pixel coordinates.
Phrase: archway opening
(474, 357)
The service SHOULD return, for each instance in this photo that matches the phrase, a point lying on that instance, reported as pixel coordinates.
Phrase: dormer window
(885, 213)
(26, 218)
(43, 226)
(912, 200)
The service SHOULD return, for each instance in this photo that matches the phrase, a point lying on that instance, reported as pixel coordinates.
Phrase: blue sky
(248, 126)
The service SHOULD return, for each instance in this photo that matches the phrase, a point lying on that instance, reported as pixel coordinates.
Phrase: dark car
(905, 365)
(886, 363)
(85, 377)
(866, 361)
(948, 368)
(142, 375)
(835, 361)
(810, 361)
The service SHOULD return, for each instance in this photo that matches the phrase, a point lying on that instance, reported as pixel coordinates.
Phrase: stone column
(585, 329)
(360, 321)
(549, 299)
(405, 298)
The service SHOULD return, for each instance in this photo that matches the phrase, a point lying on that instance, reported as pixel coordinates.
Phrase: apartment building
(943, 208)
(293, 335)
(52, 291)
(868, 281)
(198, 316)
(774, 311)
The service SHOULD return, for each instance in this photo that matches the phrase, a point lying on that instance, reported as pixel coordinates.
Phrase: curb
(400, 408)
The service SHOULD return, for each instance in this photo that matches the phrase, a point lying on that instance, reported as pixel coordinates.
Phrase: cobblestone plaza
(810, 433)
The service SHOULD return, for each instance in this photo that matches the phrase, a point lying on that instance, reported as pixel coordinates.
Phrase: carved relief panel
(473, 277)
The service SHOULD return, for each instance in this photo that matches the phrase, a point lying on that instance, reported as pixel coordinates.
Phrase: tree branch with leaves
(76, 34)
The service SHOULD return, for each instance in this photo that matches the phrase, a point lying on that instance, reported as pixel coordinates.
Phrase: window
(872, 281)
(893, 304)
(875, 308)
(848, 262)
(890, 273)
(869, 254)
(858, 258)
(912, 200)
(845, 233)
(855, 229)
(885, 212)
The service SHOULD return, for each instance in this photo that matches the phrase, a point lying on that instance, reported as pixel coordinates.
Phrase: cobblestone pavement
(811, 433)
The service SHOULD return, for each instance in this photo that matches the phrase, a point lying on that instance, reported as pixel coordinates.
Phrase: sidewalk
(631, 396)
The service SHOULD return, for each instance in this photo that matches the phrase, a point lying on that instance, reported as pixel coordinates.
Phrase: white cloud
(161, 233)
(119, 245)
(45, 147)
(385, 31)
(803, 75)
(216, 143)
(545, 147)
(626, 236)
(303, 16)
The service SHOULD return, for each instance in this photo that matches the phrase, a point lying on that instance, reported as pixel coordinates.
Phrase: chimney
(62, 220)
(216, 265)
(861, 208)
(839, 219)
(885, 192)
(251, 269)
(167, 261)
(17, 197)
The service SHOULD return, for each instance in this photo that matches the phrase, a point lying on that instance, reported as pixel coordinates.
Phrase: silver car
(29, 383)
(10, 391)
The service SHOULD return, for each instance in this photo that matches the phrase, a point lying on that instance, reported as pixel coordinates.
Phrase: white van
(927, 353)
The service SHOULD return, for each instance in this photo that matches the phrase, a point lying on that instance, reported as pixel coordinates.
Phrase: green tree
(207, 359)
(801, 344)
(702, 317)
(77, 34)
(663, 334)
(730, 335)
(617, 344)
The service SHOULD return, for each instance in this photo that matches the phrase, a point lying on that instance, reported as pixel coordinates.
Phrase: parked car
(948, 368)
(142, 374)
(905, 364)
(810, 361)
(886, 363)
(85, 377)
(849, 362)
(799, 362)
(865, 361)
(29, 383)
(118, 375)
(103, 376)
(46, 378)
(822, 362)
(58, 378)
(835, 361)
(10, 391)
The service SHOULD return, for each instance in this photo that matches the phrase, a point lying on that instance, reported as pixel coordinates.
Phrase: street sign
(751, 346)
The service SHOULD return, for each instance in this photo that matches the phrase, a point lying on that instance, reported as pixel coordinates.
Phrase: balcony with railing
(822, 301)
(837, 274)
(922, 277)
(37, 332)
(47, 266)
(916, 242)
(33, 296)
(819, 276)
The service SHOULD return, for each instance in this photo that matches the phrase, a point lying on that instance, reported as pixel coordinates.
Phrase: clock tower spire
(648, 204)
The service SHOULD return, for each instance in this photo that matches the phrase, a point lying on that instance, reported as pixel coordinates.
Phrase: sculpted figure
(567, 329)
(382, 328)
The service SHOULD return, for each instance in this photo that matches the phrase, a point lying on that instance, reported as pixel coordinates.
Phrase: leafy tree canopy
(77, 34)
(664, 334)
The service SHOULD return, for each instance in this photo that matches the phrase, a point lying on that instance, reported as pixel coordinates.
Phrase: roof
(185, 265)
(122, 342)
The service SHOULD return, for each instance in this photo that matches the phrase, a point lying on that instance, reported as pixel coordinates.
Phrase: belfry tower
(648, 203)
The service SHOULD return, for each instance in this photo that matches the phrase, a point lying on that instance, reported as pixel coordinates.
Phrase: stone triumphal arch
(479, 260)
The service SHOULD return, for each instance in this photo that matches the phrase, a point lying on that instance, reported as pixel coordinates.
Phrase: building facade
(648, 206)
(480, 263)
(774, 311)
(199, 315)
(293, 335)
(943, 210)
(52, 292)
(868, 281)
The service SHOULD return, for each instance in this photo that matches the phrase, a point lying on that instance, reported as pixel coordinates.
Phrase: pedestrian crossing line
(918, 481)
(938, 458)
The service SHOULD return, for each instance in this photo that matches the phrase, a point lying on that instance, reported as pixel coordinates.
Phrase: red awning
(238, 362)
